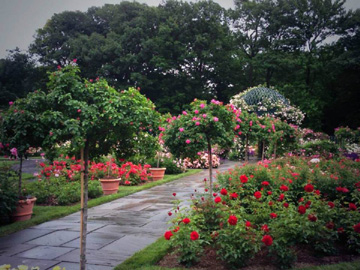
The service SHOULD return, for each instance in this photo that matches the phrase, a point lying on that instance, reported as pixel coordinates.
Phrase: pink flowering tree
(199, 128)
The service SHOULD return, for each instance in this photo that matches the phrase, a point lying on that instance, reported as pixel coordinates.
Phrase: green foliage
(59, 191)
(8, 194)
(172, 166)
(323, 148)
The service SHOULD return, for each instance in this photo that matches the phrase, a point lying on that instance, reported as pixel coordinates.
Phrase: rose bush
(275, 208)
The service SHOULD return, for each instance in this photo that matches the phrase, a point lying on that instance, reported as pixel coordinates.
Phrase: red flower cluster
(301, 209)
(186, 220)
(168, 235)
(223, 192)
(232, 220)
(194, 236)
(244, 179)
(267, 240)
(284, 188)
(342, 189)
(309, 188)
(257, 194)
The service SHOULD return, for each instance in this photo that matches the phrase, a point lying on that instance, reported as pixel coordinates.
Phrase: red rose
(309, 188)
(217, 199)
(232, 220)
(257, 194)
(281, 197)
(168, 235)
(269, 193)
(273, 215)
(186, 220)
(352, 206)
(169, 214)
(285, 204)
(174, 194)
(267, 240)
(223, 192)
(331, 204)
(301, 209)
(176, 229)
(234, 196)
(214, 194)
(248, 223)
(330, 225)
(317, 192)
(265, 183)
(271, 203)
(265, 228)
(194, 236)
(284, 188)
(243, 179)
(340, 230)
(312, 218)
(357, 228)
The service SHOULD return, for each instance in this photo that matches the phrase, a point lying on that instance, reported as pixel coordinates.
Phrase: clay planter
(24, 210)
(110, 186)
(157, 173)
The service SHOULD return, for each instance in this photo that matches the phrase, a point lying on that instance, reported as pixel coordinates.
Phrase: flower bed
(274, 208)
(59, 182)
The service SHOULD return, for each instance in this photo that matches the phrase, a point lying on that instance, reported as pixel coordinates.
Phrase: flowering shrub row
(273, 208)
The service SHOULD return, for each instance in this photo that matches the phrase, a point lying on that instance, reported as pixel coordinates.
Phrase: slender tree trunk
(84, 210)
(247, 148)
(20, 175)
(210, 167)
(263, 151)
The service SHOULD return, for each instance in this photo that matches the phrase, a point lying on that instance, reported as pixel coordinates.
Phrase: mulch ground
(261, 261)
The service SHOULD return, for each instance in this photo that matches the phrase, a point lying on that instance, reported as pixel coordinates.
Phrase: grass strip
(147, 257)
(47, 213)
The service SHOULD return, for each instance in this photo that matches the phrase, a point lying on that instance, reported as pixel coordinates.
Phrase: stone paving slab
(116, 229)
(56, 238)
(44, 252)
(95, 240)
(97, 257)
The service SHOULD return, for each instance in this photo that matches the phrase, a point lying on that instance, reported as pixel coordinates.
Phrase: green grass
(47, 213)
(147, 257)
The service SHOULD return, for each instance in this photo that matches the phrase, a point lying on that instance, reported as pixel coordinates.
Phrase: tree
(92, 116)
(199, 128)
(19, 76)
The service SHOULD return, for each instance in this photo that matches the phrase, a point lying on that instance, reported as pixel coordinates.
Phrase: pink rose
(188, 141)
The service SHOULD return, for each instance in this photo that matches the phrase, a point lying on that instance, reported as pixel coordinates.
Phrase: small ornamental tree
(92, 116)
(199, 128)
(21, 128)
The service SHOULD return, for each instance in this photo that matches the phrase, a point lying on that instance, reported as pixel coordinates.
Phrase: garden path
(116, 230)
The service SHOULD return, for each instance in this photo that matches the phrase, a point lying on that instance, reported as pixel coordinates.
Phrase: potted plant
(109, 177)
(158, 173)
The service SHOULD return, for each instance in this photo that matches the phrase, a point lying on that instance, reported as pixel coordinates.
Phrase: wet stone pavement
(116, 230)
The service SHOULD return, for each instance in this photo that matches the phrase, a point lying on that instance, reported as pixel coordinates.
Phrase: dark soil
(262, 261)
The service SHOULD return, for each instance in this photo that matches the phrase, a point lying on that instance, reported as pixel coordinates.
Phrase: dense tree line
(179, 50)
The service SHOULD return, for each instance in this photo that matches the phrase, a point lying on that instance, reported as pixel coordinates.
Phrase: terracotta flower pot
(24, 210)
(157, 173)
(110, 186)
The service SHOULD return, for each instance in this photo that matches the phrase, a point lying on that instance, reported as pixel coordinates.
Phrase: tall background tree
(179, 51)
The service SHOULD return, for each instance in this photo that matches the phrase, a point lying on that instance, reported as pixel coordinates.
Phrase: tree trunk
(210, 167)
(247, 148)
(20, 175)
(263, 151)
(84, 210)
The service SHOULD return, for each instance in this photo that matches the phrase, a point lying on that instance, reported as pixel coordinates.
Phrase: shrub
(8, 194)
(276, 207)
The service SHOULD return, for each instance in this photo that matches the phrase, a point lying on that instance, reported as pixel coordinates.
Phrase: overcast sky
(19, 19)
